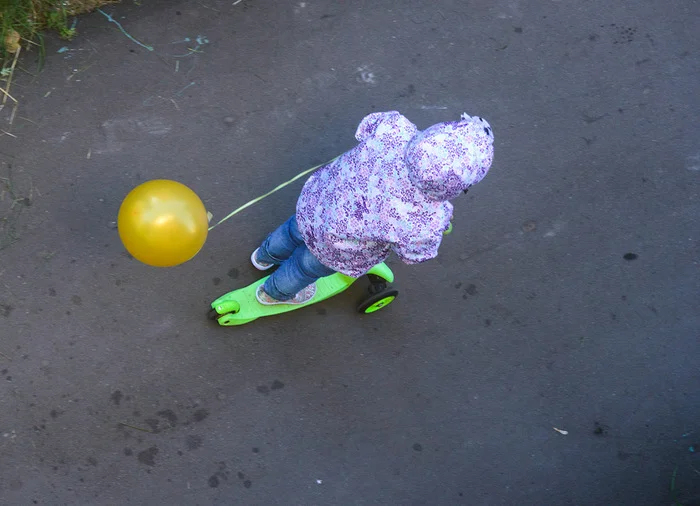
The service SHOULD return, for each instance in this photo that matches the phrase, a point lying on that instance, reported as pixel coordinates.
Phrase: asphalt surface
(567, 297)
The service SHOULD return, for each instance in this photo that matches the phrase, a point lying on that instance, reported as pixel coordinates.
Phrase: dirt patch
(16, 195)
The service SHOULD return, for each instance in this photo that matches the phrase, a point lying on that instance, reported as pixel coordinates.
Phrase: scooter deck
(241, 306)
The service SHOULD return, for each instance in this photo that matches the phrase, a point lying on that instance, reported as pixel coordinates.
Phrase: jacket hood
(447, 158)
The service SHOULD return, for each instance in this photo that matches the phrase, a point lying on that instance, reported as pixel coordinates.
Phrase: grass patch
(23, 21)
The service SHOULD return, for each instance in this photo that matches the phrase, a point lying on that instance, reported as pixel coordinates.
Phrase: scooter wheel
(377, 301)
(213, 315)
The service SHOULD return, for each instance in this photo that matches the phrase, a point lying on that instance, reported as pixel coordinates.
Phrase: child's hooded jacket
(391, 192)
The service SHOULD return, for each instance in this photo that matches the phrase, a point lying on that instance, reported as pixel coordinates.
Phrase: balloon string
(258, 199)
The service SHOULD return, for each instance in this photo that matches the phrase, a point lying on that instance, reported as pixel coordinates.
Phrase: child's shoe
(302, 297)
(261, 266)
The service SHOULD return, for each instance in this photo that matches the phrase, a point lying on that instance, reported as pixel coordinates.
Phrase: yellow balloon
(162, 223)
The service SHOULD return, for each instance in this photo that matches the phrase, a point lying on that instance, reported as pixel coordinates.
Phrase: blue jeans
(298, 267)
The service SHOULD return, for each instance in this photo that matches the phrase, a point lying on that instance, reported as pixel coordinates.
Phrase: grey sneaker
(261, 266)
(304, 296)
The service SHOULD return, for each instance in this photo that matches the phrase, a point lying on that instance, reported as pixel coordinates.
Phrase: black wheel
(213, 315)
(377, 301)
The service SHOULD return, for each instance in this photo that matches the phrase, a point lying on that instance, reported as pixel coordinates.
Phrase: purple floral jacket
(391, 192)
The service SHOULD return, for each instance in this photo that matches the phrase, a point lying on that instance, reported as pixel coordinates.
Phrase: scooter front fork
(376, 284)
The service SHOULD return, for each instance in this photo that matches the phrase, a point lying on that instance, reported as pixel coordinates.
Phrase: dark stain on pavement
(148, 456)
(599, 429)
(624, 34)
(116, 397)
(154, 424)
(169, 415)
(246, 483)
(275, 385)
(470, 290)
(193, 442)
(200, 414)
(409, 91)
(221, 474)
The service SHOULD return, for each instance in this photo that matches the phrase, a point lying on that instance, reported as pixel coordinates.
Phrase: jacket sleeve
(369, 124)
(419, 250)
(425, 245)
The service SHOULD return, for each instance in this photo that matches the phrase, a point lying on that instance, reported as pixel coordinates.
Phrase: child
(389, 193)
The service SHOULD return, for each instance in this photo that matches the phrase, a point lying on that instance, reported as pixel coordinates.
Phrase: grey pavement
(568, 296)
